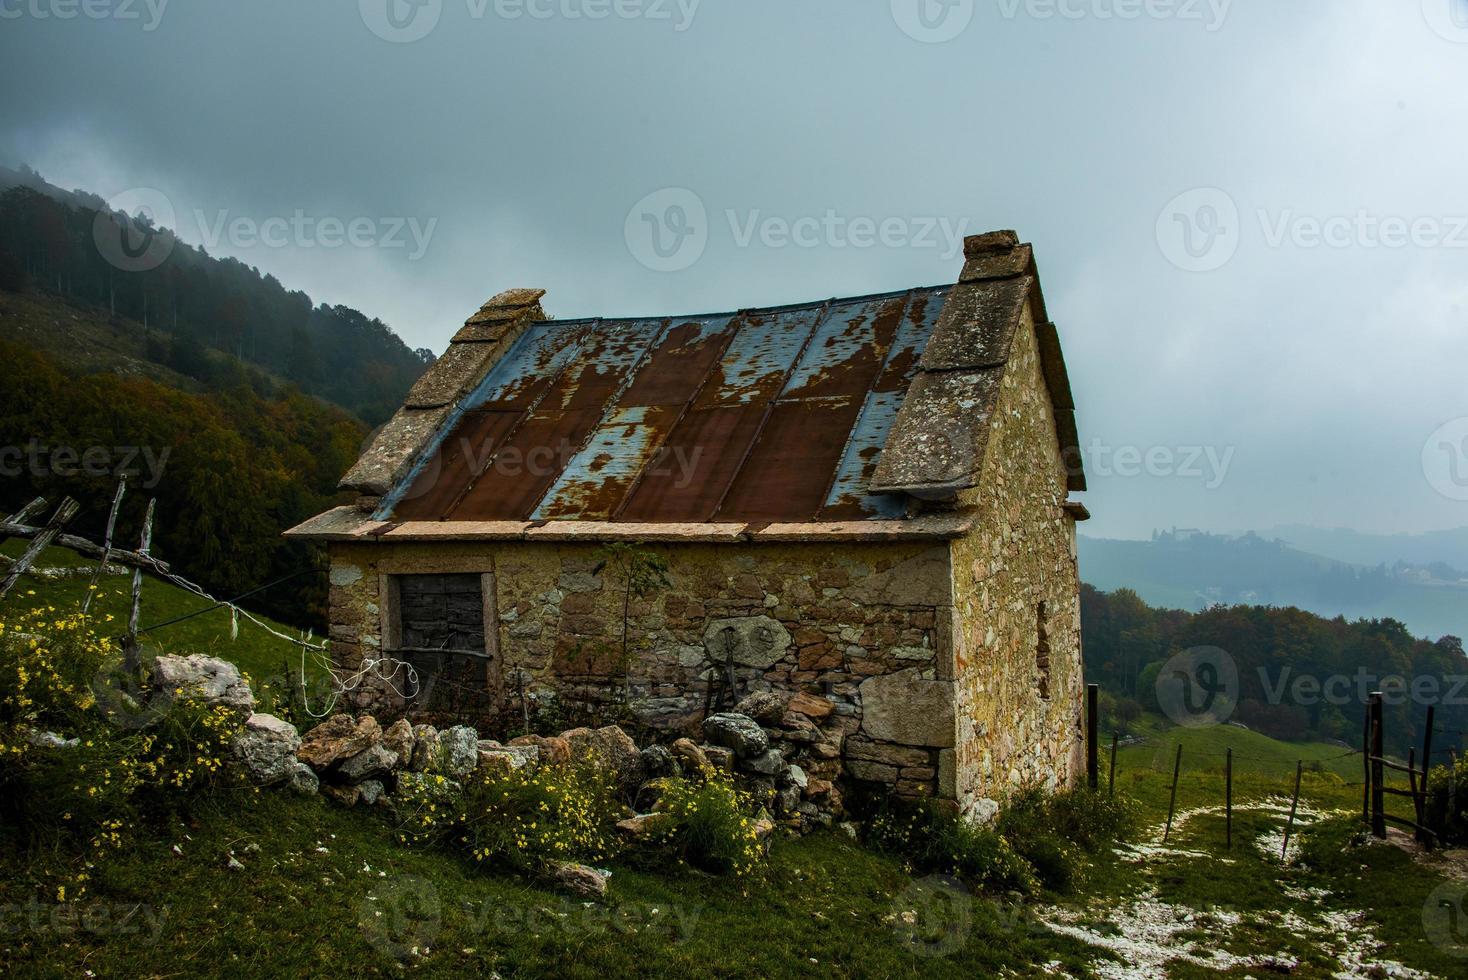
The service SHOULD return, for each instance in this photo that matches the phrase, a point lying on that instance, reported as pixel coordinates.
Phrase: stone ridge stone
(452, 376)
(519, 297)
(989, 241)
(998, 265)
(977, 325)
(937, 443)
(395, 447)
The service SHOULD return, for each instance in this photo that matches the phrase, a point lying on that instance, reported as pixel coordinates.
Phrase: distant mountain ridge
(191, 302)
(1449, 547)
(1425, 586)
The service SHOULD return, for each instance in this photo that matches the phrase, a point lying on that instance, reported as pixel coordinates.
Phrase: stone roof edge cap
(993, 255)
(470, 355)
(346, 523)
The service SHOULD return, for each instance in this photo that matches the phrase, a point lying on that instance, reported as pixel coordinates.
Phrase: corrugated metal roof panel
(458, 461)
(698, 461)
(849, 499)
(788, 470)
(597, 479)
(758, 360)
(523, 374)
(847, 350)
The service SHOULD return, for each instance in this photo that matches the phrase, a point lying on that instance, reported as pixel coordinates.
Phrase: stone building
(860, 502)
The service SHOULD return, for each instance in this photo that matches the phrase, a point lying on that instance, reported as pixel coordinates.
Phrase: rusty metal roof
(830, 418)
(762, 416)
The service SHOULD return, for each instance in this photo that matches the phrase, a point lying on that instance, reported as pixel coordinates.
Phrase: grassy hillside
(327, 892)
(84, 338)
(320, 891)
(271, 663)
(1145, 762)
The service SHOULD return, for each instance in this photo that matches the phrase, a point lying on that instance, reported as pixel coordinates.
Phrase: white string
(341, 683)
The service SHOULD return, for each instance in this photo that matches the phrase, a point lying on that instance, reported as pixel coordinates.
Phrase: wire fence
(1383, 777)
(398, 676)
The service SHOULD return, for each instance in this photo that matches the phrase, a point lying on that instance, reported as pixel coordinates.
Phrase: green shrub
(47, 663)
(1447, 802)
(930, 839)
(121, 764)
(709, 824)
(522, 818)
(1054, 832)
(1040, 839)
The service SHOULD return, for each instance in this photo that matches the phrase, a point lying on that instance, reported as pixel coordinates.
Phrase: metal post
(1092, 725)
(1294, 804)
(1378, 798)
(1228, 800)
(1177, 767)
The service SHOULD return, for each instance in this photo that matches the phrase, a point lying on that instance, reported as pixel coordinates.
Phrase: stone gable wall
(864, 627)
(1021, 554)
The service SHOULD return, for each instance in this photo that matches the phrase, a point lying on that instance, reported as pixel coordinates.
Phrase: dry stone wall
(859, 633)
(1018, 692)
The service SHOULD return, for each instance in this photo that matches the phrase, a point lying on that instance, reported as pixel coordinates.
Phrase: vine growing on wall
(642, 573)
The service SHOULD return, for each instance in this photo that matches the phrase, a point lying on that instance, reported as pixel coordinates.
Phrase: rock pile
(771, 742)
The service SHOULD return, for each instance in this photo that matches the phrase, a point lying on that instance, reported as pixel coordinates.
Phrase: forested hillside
(1424, 585)
(191, 303)
(1127, 642)
(230, 468)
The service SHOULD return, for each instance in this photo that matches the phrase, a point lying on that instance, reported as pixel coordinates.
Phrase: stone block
(909, 709)
(871, 772)
(750, 641)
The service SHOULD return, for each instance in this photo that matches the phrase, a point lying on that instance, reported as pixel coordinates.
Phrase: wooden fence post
(1092, 726)
(131, 659)
(1177, 767)
(1294, 805)
(59, 519)
(1228, 800)
(1111, 780)
(23, 515)
(1366, 765)
(1378, 798)
(106, 543)
(1426, 764)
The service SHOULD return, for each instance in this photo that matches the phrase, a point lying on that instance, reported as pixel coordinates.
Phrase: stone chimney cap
(513, 297)
(989, 241)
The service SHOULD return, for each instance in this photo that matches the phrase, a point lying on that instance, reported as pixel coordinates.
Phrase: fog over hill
(1421, 580)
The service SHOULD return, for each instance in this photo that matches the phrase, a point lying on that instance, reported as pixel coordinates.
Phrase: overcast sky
(1250, 217)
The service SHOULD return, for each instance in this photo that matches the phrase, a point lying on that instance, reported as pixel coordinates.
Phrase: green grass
(268, 660)
(823, 906)
(1262, 766)
(315, 878)
(84, 338)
